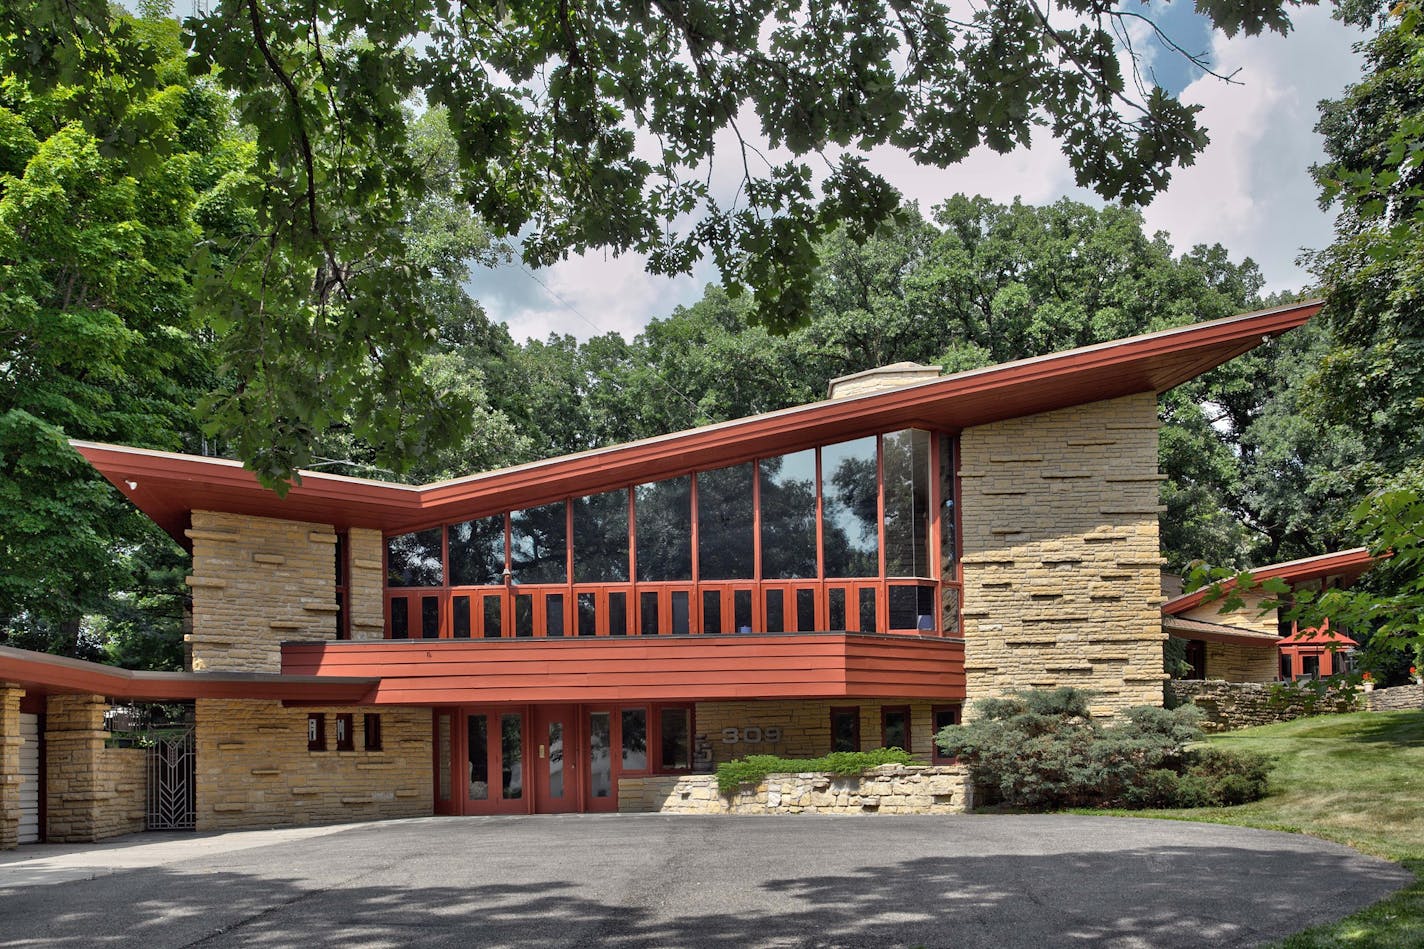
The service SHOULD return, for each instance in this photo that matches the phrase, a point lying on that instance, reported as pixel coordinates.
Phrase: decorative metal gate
(172, 798)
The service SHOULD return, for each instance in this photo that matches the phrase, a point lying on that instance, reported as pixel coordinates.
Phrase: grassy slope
(1355, 779)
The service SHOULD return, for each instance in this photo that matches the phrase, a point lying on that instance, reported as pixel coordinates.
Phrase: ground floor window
(941, 717)
(316, 732)
(895, 727)
(345, 737)
(676, 739)
(372, 725)
(845, 729)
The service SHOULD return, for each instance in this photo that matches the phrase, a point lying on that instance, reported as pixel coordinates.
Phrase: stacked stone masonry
(91, 792)
(367, 594)
(1237, 663)
(254, 768)
(258, 581)
(889, 789)
(1227, 706)
(803, 728)
(1062, 574)
(10, 696)
(1401, 698)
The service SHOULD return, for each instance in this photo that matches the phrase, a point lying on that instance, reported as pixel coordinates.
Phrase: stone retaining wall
(1398, 699)
(1231, 705)
(888, 789)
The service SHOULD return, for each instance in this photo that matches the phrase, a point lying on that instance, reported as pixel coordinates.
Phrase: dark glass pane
(479, 757)
(648, 612)
(538, 544)
(924, 609)
(494, 617)
(945, 717)
(635, 739)
(554, 614)
(587, 614)
(617, 614)
(724, 524)
(867, 610)
(600, 762)
(775, 612)
(400, 618)
(680, 612)
(836, 608)
(897, 728)
(850, 522)
(845, 729)
(711, 611)
(664, 519)
(556, 759)
(902, 602)
(788, 516)
(948, 545)
(676, 738)
(805, 611)
(413, 560)
(601, 538)
(907, 504)
(524, 614)
(742, 607)
(511, 756)
(444, 752)
(462, 617)
(477, 552)
(429, 617)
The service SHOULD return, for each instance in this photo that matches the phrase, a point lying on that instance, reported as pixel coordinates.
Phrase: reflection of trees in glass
(413, 560)
(725, 533)
(663, 511)
(788, 516)
(511, 750)
(538, 544)
(850, 529)
(635, 739)
(477, 552)
(907, 503)
(601, 538)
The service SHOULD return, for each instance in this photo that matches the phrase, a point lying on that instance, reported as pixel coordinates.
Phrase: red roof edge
(1349, 564)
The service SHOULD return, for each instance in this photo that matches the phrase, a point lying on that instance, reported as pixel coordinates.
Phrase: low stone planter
(888, 789)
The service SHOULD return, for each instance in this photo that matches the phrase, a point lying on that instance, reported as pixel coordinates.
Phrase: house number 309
(752, 735)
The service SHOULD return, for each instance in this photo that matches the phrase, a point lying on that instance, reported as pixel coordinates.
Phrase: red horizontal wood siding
(440, 672)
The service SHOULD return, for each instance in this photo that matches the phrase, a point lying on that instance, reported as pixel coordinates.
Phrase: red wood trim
(1351, 563)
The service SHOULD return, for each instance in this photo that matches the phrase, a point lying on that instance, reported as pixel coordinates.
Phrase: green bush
(1043, 751)
(752, 768)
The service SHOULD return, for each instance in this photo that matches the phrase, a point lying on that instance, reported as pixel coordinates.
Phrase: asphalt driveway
(654, 881)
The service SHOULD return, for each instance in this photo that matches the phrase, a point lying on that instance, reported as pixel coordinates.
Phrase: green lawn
(1355, 779)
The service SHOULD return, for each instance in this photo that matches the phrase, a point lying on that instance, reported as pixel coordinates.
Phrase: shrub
(1043, 751)
(752, 768)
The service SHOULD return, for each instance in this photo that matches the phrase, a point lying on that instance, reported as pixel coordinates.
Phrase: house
(577, 634)
(1251, 642)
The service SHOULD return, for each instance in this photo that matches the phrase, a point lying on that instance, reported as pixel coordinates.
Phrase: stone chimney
(878, 380)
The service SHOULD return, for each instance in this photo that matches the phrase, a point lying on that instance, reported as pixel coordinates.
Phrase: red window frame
(854, 712)
(316, 731)
(371, 727)
(956, 713)
(653, 733)
(345, 732)
(885, 712)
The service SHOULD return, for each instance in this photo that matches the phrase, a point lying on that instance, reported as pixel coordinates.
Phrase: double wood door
(536, 759)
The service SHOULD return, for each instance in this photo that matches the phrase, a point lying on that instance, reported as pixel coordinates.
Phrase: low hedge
(751, 769)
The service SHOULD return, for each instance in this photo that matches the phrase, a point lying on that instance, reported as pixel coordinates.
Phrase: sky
(1250, 190)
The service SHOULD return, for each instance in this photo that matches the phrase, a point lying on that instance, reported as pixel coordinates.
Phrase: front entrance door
(494, 741)
(556, 759)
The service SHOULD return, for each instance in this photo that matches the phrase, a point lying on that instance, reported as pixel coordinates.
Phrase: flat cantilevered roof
(168, 486)
(1348, 565)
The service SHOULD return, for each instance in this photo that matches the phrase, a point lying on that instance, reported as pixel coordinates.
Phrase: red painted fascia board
(1105, 370)
(1348, 563)
(40, 673)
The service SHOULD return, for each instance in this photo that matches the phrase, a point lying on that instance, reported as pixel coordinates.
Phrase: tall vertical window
(845, 729)
(725, 538)
(635, 739)
(414, 560)
(372, 726)
(907, 504)
(788, 516)
(850, 522)
(477, 552)
(343, 581)
(601, 538)
(316, 732)
(345, 736)
(942, 717)
(675, 736)
(895, 727)
(663, 514)
(538, 544)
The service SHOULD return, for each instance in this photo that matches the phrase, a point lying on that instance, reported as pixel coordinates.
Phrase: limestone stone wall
(1398, 699)
(1247, 616)
(10, 695)
(889, 789)
(1062, 574)
(1237, 663)
(257, 581)
(367, 593)
(91, 792)
(804, 728)
(254, 769)
(1231, 705)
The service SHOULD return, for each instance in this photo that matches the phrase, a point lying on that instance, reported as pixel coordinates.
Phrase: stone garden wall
(1398, 699)
(888, 789)
(1231, 705)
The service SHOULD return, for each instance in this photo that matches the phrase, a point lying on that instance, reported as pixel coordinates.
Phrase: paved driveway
(653, 881)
